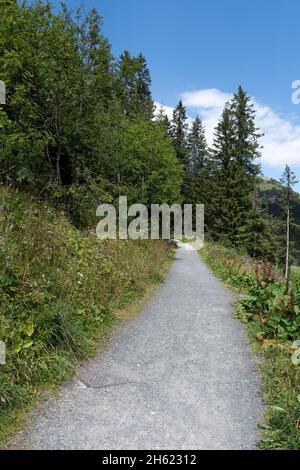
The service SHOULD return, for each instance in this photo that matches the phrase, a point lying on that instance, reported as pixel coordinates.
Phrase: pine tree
(143, 92)
(245, 169)
(196, 182)
(162, 120)
(246, 146)
(178, 133)
(197, 147)
(134, 83)
(236, 150)
(221, 175)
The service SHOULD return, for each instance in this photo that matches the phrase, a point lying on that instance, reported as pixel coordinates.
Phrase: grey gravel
(178, 376)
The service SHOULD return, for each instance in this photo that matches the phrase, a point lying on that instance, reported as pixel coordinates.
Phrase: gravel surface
(178, 376)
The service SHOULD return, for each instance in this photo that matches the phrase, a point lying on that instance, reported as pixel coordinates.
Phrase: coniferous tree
(197, 178)
(236, 150)
(288, 179)
(143, 92)
(221, 174)
(162, 120)
(245, 169)
(134, 83)
(246, 145)
(197, 147)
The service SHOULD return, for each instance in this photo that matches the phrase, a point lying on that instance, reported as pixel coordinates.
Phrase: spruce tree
(197, 148)
(245, 169)
(162, 120)
(143, 92)
(133, 85)
(246, 146)
(178, 133)
(236, 149)
(221, 176)
(197, 177)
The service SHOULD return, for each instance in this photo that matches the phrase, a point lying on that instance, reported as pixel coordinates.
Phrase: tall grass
(59, 290)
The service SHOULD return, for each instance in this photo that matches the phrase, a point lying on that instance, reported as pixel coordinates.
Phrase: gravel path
(178, 376)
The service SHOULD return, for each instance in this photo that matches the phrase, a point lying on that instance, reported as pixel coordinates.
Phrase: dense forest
(78, 124)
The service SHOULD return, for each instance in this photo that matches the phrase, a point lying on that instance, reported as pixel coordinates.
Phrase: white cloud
(207, 99)
(209, 104)
(281, 141)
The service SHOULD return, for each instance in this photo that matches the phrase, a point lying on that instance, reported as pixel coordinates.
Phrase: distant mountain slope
(271, 190)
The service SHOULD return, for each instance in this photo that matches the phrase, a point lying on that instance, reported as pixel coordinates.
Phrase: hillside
(271, 189)
(60, 289)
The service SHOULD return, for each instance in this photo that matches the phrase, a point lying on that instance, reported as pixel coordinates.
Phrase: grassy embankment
(273, 321)
(61, 291)
(295, 274)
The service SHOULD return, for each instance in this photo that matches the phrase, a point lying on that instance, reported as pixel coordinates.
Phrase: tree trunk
(287, 252)
(58, 155)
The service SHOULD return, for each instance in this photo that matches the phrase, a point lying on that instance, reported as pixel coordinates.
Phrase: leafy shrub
(276, 314)
(273, 320)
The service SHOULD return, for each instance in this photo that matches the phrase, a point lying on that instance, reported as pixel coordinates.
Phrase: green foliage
(236, 148)
(148, 170)
(162, 120)
(273, 321)
(281, 381)
(178, 133)
(77, 130)
(197, 178)
(72, 109)
(197, 145)
(295, 274)
(133, 85)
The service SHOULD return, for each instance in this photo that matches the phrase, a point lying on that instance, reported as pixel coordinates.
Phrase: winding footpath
(178, 376)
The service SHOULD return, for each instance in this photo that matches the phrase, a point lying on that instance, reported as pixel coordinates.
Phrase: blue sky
(202, 50)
